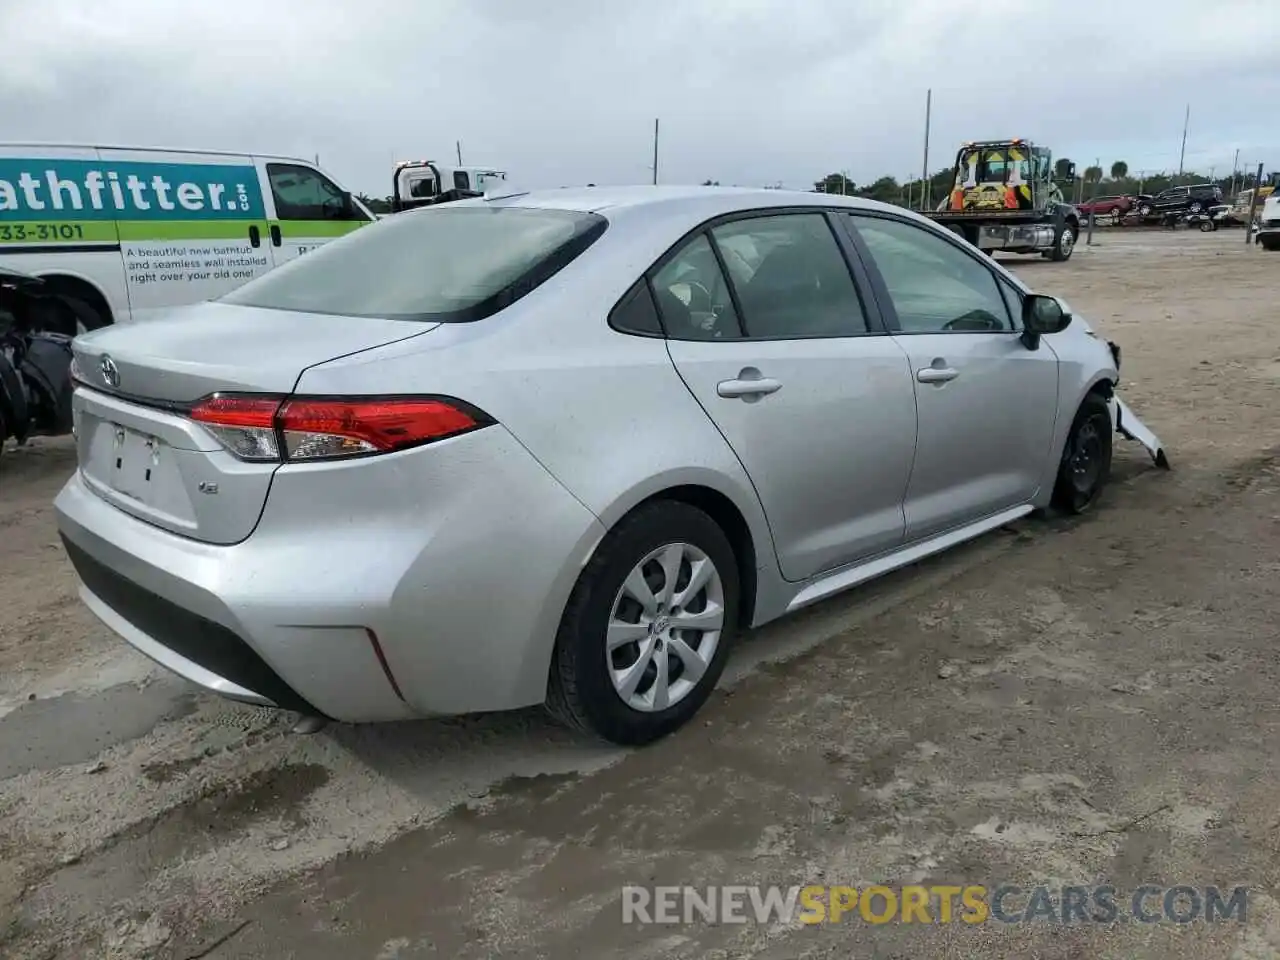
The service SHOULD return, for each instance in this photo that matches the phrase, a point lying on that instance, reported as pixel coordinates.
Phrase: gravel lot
(1062, 702)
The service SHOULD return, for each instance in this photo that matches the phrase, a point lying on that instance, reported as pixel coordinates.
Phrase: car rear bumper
(429, 582)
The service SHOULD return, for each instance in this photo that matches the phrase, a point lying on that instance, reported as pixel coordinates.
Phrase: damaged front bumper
(1129, 426)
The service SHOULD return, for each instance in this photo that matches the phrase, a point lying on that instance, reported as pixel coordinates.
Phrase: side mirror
(1041, 315)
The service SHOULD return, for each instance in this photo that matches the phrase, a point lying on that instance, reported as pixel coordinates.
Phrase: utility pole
(655, 152)
(1253, 206)
(924, 187)
(1182, 156)
(1093, 195)
(458, 144)
(1235, 172)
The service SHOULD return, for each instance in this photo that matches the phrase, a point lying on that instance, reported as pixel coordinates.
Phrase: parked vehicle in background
(372, 491)
(1112, 208)
(1194, 198)
(1268, 234)
(1005, 199)
(421, 183)
(35, 365)
(128, 231)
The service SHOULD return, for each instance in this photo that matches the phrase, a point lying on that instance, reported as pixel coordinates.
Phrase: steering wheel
(972, 321)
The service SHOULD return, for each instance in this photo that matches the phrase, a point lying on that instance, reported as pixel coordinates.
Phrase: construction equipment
(419, 183)
(1005, 199)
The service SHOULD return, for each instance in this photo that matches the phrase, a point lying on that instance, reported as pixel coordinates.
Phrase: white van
(129, 231)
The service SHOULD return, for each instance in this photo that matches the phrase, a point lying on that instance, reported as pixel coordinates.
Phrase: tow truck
(419, 183)
(1005, 199)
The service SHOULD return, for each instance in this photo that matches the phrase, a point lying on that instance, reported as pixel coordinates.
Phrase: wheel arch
(1102, 385)
(743, 524)
(72, 284)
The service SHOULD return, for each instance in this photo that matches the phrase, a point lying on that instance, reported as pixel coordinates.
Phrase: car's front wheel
(647, 629)
(1086, 457)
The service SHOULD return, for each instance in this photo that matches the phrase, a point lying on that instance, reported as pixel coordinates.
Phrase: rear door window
(791, 280)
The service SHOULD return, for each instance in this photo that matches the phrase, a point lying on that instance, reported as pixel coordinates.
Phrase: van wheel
(647, 630)
(81, 307)
(86, 316)
(1086, 457)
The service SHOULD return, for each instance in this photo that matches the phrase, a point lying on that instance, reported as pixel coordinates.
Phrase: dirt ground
(1063, 702)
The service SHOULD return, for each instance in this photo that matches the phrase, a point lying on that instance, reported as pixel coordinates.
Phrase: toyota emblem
(110, 372)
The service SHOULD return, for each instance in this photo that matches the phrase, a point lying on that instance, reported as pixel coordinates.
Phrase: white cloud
(565, 91)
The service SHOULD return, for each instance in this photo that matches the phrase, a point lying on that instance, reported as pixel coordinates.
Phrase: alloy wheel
(664, 627)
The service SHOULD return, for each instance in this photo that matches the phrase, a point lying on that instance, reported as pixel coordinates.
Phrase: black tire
(580, 693)
(1062, 250)
(1196, 206)
(1080, 481)
(88, 315)
(1145, 210)
(1207, 226)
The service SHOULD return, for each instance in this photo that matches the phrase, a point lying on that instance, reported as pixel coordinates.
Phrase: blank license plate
(135, 462)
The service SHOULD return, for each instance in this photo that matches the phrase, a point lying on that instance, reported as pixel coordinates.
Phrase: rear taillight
(266, 429)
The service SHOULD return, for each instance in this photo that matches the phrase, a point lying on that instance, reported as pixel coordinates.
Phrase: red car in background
(1107, 208)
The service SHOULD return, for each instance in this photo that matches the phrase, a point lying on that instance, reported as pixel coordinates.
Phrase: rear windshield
(446, 263)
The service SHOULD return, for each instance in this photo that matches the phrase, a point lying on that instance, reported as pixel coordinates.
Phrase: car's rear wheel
(1086, 457)
(647, 629)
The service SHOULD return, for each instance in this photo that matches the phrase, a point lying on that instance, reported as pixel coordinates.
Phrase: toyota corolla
(563, 447)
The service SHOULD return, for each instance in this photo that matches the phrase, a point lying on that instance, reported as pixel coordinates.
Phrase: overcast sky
(562, 92)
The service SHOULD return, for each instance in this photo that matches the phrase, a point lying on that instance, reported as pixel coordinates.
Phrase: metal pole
(458, 144)
(1093, 195)
(1235, 173)
(1186, 121)
(924, 175)
(655, 152)
(1253, 206)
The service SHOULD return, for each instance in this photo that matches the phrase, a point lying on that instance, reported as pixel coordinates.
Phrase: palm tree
(1119, 170)
(1093, 174)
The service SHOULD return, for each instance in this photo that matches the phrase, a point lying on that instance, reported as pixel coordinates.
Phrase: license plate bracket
(135, 462)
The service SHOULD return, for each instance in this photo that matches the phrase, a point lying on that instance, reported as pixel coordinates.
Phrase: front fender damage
(1129, 426)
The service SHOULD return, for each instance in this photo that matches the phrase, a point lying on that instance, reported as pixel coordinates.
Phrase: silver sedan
(562, 447)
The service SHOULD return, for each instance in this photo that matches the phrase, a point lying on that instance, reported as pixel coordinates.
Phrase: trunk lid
(139, 451)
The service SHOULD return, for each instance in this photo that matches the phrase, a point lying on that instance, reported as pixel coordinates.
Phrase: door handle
(938, 375)
(275, 235)
(255, 236)
(749, 385)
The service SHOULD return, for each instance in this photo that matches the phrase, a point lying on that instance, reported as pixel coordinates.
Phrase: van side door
(307, 208)
(192, 226)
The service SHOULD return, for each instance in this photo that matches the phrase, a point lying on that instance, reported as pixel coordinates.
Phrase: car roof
(691, 204)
